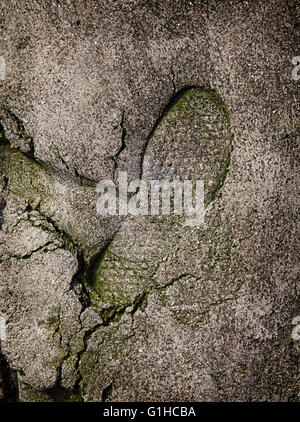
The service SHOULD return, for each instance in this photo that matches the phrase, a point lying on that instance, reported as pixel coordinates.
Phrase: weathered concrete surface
(145, 308)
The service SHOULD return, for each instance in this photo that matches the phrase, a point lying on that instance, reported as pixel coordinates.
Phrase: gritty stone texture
(2, 68)
(145, 308)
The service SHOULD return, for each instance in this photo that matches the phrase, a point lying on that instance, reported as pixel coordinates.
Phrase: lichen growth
(27, 178)
(189, 108)
(119, 282)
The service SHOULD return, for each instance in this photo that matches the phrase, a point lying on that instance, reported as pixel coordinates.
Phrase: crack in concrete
(20, 131)
(61, 159)
(86, 268)
(42, 248)
(123, 143)
(173, 78)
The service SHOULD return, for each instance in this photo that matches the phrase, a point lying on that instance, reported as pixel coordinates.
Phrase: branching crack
(86, 267)
(67, 240)
(42, 248)
(87, 336)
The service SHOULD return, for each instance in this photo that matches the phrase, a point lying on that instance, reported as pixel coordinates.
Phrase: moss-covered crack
(90, 260)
